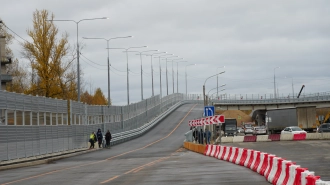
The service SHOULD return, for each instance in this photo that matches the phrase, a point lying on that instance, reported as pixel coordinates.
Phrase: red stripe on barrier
(243, 158)
(274, 137)
(287, 173)
(229, 154)
(311, 179)
(278, 171)
(236, 155)
(250, 139)
(257, 162)
(264, 165)
(298, 137)
(206, 149)
(270, 159)
(223, 153)
(217, 151)
(297, 178)
(251, 159)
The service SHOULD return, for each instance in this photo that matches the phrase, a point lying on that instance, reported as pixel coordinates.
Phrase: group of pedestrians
(98, 137)
(201, 137)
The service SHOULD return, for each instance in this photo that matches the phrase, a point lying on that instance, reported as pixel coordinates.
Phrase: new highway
(154, 158)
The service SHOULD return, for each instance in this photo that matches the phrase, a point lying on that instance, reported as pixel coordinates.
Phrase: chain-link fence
(32, 125)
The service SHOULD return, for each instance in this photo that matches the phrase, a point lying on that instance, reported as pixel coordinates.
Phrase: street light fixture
(160, 73)
(215, 88)
(218, 80)
(126, 50)
(275, 83)
(173, 71)
(152, 72)
(166, 73)
(177, 75)
(78, 67)
(97, 38)
(140, 53)
(205, 83)
(186, 76)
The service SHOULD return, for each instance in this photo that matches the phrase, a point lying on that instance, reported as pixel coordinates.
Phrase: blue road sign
(209, 111)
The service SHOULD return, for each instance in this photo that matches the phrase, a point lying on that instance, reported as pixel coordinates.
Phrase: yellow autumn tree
(52, 73)
(86, 98)
(99, 98)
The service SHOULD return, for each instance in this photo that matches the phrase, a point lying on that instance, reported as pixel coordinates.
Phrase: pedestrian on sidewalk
(108, 137)
(207, 135)
(99, 137)
(92, 139)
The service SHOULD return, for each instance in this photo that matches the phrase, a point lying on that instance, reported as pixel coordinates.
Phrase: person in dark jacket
(108, 137)
(99, 137)
(207, 135)
(195, 134)
(201, 137)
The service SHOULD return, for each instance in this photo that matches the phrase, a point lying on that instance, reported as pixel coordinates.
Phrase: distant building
(4, 60)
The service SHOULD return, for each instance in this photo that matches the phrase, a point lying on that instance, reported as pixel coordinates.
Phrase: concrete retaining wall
(286, 137)
(262, 138)
(227, 139)
(238, 139)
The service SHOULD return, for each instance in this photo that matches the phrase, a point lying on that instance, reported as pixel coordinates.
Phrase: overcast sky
(250, 38)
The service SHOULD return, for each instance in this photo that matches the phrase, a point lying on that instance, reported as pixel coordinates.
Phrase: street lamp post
(216, 88)
(126, 51)
(166, 73)
(173, 72)
(152, 72)
(218, 80)
(204, 86)
(78, 67)
(177, 76)
(275, 83)
(160, 74)
(186, 76)
(140, 53)
(108, 60)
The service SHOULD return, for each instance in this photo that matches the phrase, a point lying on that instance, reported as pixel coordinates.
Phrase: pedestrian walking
(92, 139)
(207, 135)
(195, 134)
(108, 137)
(99, 137)
(201, 137)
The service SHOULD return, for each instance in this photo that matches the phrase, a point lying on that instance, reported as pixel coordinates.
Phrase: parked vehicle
(240, 130)
(230, 127)
(325, 127)
(248, 129)
(293, 130)
(259, 130)
(303, 117)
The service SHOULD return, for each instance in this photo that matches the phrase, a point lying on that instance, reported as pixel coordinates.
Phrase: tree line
(50, 70)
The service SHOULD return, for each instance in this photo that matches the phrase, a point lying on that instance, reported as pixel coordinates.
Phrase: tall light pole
(108, 59)
(186, 76)
(173, 72)
(152, 72)
(78, 67)
(140, 53)
(177, 75)
(166, 73)
(205, 83)
(275, 83)
(292, 86)
(218, 81)
(126, 51)
(160, 74)
(215, 88)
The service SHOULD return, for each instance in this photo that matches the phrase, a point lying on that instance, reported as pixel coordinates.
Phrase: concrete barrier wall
(313, 136)
(262, 138)
(286, 137)
(326, 135)
(238, 139)
(227, 139)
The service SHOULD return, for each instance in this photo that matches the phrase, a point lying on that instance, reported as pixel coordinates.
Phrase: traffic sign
(209, 111)
(219, 119)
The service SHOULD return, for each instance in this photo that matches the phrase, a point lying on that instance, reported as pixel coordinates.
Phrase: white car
(293, 130)
(259, 130)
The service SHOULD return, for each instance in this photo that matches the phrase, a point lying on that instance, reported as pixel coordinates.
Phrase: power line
(92, 61)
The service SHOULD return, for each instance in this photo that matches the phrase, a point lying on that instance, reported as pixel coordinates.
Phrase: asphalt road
(155, 158)
(314, 154)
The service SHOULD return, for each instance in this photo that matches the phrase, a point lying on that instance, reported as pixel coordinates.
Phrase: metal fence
(32, 125)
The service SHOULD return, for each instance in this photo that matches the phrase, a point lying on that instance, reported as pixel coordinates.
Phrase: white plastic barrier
(248, 157)
(238, 139)
(313, 136)
(217, 150)
(220, 152)
(254, 159)
(273, 170)
(292, 174)
(304, 175)
(227, 139)
(262, 138)
(232, 154)
(286, 137)
(227, 153)
(213, 150)
(326, 135)
(320, 182)
(283, 172)
(209, 149)
(262, 157)
(239, 156)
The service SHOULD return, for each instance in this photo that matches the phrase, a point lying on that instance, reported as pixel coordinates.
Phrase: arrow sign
(212, 120)
(219, 119)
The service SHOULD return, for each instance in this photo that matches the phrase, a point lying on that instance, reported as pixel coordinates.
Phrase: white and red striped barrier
(276, 170)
